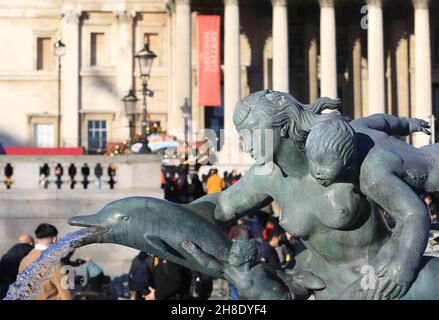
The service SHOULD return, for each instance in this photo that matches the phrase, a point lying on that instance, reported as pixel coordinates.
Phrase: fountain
(336, 208)
(28, 282)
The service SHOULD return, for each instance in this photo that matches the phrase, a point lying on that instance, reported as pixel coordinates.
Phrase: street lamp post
(59, 49)
(130, 101)
(187, 113)
(145, 58)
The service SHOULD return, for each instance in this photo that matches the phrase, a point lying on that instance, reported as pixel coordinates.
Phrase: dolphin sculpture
(190, 236)
(159, 227)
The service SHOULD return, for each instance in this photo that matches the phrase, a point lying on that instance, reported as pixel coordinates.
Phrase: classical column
(70, 77)
(355, 72)
(311, 65)
(423, 95)
(388, 80)
(328, 52)
(280, 46)
(375, 57)
(182, 86)
(232, 65)
(173, 63)
(124, 54)
(400, 72)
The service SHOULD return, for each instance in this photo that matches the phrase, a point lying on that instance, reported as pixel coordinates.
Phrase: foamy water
(28, 283)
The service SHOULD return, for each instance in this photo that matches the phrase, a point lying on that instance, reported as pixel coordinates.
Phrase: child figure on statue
(391, 173)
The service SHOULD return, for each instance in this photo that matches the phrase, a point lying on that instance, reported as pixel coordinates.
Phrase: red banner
(30, 151)
(209, 73)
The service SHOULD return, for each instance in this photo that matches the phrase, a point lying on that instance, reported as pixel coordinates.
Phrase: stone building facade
(376, 55)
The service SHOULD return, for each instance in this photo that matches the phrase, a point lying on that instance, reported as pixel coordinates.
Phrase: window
(44, 54)
(97, 135)
(44, 135)
(98, 49)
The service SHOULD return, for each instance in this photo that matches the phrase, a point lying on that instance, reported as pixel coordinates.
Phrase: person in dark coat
(170, 281)
(44, 175)
(183, 188)
(99, 171)
(9, 171)
(85, 171)
(170, 187)
(111, 173)
(45, 170)
(9, 265)
(201, 286)
(139, 278)
(195, 188)
(72, 174)
(267, 250)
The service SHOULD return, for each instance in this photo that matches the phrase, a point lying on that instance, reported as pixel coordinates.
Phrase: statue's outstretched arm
(397, 262)
(241, 198)
(392, 125)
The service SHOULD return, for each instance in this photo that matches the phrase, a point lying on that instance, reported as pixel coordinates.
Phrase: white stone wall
(90, 93)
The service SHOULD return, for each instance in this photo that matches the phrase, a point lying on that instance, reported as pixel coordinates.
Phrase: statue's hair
(283, 109)
(332, 136)
(245, 249)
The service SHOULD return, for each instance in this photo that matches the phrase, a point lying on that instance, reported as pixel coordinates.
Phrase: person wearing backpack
(139, 278)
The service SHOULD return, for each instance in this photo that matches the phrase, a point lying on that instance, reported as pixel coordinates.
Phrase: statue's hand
(299, 282)
(203, 258)
(390, 282)
(393, 280)
(419, 125)
(389, 278)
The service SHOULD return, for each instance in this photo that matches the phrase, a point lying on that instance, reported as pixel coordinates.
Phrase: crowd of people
(184, 187)
(154, 278)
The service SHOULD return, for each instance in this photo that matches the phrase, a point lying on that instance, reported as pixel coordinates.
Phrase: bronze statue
(333, 201)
